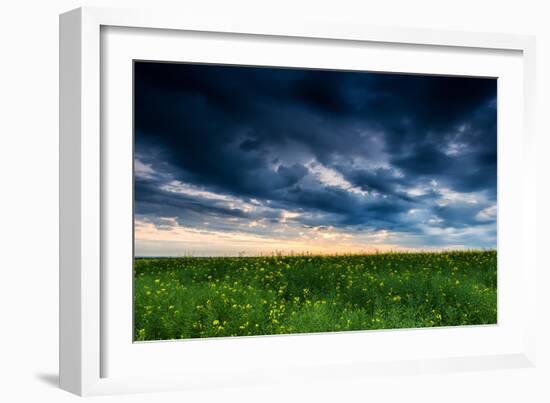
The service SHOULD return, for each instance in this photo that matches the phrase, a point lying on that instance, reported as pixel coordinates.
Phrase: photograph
(273, 200)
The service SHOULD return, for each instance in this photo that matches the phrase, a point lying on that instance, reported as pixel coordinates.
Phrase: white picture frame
(88, 318)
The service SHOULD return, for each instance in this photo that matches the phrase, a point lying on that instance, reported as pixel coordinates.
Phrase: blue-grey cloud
(352, 150)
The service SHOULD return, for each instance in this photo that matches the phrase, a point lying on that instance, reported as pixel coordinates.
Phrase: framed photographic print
(241, 200)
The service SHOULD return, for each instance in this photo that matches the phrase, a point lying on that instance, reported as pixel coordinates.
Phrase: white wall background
(29, 201)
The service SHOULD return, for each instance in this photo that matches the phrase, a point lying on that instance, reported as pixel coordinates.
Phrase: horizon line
(302, 254)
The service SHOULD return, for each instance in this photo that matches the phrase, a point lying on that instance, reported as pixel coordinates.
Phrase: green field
(179, 298)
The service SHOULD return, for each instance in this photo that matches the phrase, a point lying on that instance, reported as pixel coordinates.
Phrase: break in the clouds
(254, 160)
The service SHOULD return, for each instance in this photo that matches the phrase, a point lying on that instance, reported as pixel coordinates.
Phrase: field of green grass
(179, 298)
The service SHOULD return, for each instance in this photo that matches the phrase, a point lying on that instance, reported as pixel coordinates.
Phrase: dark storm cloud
(350, 150)
(382, 180)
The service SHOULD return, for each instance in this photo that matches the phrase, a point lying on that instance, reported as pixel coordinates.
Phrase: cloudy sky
(255, 160)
